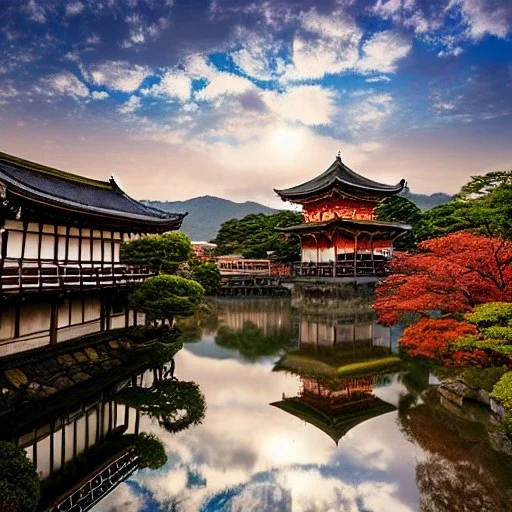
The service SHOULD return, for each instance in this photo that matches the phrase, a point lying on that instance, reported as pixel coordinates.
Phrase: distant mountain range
(207, 213)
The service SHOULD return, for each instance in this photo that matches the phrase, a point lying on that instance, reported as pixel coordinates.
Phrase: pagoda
(340, 236)
(60, 270)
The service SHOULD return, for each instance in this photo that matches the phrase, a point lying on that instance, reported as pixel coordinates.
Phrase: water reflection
(305, 412)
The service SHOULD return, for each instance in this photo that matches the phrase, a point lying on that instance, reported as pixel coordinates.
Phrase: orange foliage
(476, 357)
(450, 274)
(430, 337)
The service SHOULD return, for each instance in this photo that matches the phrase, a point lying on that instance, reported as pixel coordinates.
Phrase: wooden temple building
(340, 236)
(60, 272)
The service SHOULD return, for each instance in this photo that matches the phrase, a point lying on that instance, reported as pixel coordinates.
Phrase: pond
(282, 432)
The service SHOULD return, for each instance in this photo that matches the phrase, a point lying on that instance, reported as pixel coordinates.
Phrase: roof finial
(338, 156)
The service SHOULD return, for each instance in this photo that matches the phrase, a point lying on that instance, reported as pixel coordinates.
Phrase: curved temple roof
(338, 174)
(70, 192)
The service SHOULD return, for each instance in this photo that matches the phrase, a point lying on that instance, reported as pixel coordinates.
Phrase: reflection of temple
(315, 333)
(267, 316)
(60, 274)
(335, 406)
(83, 433)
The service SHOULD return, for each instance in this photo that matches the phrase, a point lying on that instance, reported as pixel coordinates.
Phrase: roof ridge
(52, 171)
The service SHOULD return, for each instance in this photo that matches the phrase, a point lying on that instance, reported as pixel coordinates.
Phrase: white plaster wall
(92, 308)
(326, 255)
(76, 310)
(75, 331)
(308, 255)
(363, 332)
(73, 249)
(21, 344)
(47, 247)
(86, 250)
(117, 321)
(34, 318)
(96, 247)
(7, 320)
(63, 314)
(14, 243)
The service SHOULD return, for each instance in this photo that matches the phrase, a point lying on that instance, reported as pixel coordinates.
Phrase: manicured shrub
(19, 483)
(498, 332)
(491, 314)
(502, 391)
(150, 450)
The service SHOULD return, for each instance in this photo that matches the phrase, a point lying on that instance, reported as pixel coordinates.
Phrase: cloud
(382, 52)
(35, 11)
(65, 83)
(380, 78)
(222, 84)
(324, 45)
(119, 75)
(493, 17)
(93, 39)
(99, 95)
(74, 8)
(370, 112)
(174, 84)
(130, 106)
(309, 104)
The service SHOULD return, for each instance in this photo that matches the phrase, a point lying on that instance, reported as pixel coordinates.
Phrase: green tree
(162, 253)
(207, 275)
(483, 205)
(19, 483)
(400, 209)
(163, 297)
(255, 236)
(150, 450)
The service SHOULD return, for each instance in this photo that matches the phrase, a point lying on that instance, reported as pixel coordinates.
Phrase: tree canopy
(163, 297)
(400, 209)
(451, 274)
(254, 236)
(19, 483)
(207, 274)
(162, 253)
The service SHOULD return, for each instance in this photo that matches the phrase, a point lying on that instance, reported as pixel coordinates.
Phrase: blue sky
(233, 98)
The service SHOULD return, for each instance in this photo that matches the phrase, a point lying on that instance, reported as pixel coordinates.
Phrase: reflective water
(283, 433)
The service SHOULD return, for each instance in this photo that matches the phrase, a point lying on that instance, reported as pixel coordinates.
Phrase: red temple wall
(336, 208)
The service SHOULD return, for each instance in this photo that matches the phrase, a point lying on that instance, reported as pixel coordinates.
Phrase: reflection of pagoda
(335, 406)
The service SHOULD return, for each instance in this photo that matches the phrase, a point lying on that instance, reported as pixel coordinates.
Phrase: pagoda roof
(335, 423)
(371, 226)
(38, 185)
(340, 176)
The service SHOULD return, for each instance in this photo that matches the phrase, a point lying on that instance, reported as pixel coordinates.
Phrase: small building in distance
(340, 236)
(60, 274)
(203, 250)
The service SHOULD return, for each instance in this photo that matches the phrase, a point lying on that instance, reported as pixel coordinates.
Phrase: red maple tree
(450, 274)
(431, 337)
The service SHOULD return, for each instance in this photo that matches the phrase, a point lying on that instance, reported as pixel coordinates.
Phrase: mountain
(426, 202)
(207, 213)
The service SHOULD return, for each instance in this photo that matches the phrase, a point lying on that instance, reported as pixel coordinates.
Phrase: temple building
(340, 236)
(60, 270)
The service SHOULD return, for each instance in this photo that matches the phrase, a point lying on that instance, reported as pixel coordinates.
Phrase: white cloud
(371, 111)
(130, 106)
(380, 78)
(74, 8)
(99, 95)
(93, 39)
(65, 83)
(174, 84)
(36, 12)
(122, 499)
(309, 104)
(484, 17)
(119, 75)
(224, 84)
(382, 52)
(326, 45)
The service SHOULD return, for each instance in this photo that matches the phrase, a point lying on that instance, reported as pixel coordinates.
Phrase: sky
(183, 98)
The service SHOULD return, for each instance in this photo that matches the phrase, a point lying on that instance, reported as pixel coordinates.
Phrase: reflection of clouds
(252, 456)
(123, 498)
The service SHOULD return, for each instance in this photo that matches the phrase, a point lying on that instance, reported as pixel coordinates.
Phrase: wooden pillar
(17, 316)
(355, 254)
(66, 250)
(54, 321)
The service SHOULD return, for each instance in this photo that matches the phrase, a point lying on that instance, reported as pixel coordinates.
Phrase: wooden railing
(347, 268)
(31, 275)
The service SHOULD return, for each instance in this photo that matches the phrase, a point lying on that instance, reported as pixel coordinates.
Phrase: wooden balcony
(18, 276)
(346, 268)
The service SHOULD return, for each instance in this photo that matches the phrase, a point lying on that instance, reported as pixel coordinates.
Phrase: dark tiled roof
(338, 174)
(59, 188)
(366, 225)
